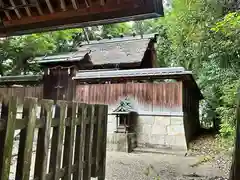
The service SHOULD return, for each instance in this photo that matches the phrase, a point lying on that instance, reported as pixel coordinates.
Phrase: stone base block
(122, 142)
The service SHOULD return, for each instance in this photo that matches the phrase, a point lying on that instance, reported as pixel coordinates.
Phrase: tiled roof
(106, 51)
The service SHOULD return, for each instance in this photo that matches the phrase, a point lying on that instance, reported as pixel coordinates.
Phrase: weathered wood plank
(61, 172)
(81, 132)
(77, 142)
(100, 116)
(22, 123)
(68, 142)
(4, 115)
(101, 173)
(8, 140)
(89, 142)
(43, 140)
(26, 139)
(57, 139)
(95, 140)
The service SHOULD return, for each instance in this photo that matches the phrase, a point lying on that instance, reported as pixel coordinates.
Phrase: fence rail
(71, 145)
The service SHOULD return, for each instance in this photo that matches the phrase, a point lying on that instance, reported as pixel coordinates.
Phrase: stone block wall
(151, 131)
(161, 132)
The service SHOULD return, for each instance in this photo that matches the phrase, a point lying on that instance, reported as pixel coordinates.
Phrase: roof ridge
(119, 39)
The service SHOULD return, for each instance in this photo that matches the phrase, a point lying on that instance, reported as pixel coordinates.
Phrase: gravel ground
(148, 166)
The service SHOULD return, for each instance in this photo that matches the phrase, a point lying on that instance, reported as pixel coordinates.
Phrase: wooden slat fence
(70, 145)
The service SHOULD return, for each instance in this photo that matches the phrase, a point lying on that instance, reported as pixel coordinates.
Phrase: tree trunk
(235, 169)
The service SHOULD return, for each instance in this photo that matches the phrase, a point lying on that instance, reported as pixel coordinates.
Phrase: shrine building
(148, 107)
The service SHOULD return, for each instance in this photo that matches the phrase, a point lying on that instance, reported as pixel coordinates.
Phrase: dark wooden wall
(167, 95)
(58, 84)
(191, 111)
(24, 91)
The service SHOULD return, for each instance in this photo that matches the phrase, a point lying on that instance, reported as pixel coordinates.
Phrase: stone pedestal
(122, 142)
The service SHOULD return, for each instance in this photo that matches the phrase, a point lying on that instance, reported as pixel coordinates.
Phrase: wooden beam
(74, 3)
(102, 2)
(27, 8)
(6, 12)
(7, 15)
(66, 14)
(39, 8)
(87, 3)
(49, 6)
(63, 5)
(15, 9)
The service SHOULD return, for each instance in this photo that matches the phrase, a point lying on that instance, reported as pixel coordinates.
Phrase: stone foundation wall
(161, 132)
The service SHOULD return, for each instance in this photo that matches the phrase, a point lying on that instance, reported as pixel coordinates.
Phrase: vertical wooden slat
(80, 147)
(95, 141)
(26, 139)
(89, 141)
(4, 116)
(99, 135)
(68, 142)
(8, 141)
(102, 166)
(57, 140)
(43, 140)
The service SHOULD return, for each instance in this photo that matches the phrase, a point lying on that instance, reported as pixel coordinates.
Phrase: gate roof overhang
(20, 17)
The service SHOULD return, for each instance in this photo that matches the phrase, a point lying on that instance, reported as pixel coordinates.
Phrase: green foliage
(18, 52)
(116, 30)
(198, 35)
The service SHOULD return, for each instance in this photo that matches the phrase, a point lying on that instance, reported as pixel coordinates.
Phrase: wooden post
(235, 169)
(8, 140)
(26, 139)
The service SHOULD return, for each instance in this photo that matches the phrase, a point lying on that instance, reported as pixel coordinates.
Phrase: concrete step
(167, 151)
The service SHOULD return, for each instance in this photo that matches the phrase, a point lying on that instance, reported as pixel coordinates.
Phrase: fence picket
(8, 141)
(102, 171)
(88, 143)
(95, 146)
(57, 140)
(80, 133)
(43, 141)
(68, 142)
(4, 116)
(26, 139)
(99, 136)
